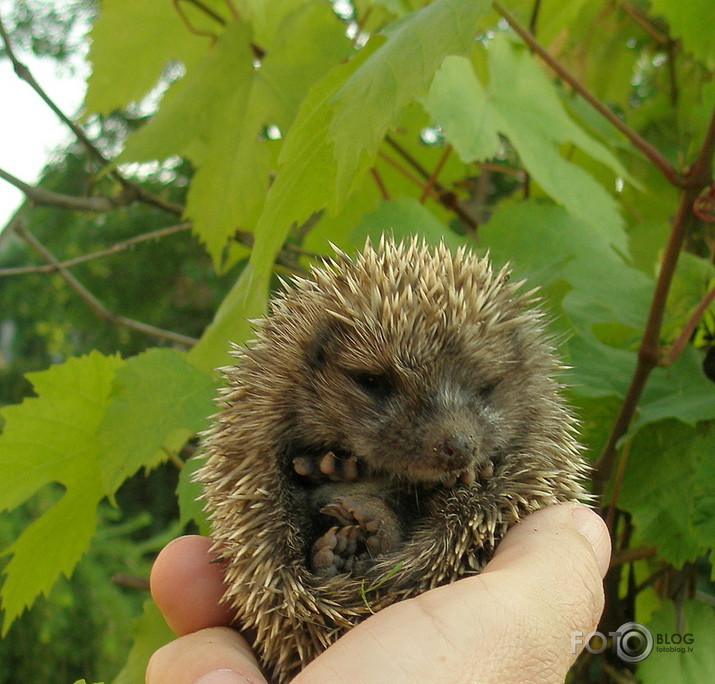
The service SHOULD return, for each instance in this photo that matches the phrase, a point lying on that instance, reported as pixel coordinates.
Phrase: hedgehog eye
(378, 385)
(487, 389)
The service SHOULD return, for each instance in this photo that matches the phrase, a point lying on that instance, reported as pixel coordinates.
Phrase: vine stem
(681, 342)
(433, 176)
(698, 176)
(444, 197)
(94, 304)
(666, 168)
(112, 249)
(42, 197)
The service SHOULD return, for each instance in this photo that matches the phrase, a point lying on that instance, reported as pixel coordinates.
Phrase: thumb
(551, 567)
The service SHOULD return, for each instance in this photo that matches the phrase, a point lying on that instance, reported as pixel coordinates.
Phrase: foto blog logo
(631, 642)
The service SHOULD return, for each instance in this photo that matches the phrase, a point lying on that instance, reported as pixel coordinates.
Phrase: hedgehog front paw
(335, 551)
(329, 466)
(379, 528)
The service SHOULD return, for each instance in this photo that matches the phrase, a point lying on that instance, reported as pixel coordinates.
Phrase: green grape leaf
(665, 508)
(53, 438)
(132, 41)
(213, 116)
(149, 633)
(691, 662)
(315, 172)
(680, 391)
(554, 243)
(403, 218)
(307, 43)
(400, 70)
(159, 400)
(523, 104)
(598, 370)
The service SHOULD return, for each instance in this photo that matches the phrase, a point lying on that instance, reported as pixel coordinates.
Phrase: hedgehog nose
(456, 450)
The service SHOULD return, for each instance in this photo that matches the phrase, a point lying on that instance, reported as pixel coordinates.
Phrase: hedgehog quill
(397, 412)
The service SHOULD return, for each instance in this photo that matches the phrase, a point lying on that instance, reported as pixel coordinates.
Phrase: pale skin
(511, 623)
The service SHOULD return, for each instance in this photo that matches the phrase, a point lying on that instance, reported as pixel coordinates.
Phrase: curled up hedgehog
(395, 415)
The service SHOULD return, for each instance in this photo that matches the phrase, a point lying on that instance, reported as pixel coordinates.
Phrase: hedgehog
(395, 414)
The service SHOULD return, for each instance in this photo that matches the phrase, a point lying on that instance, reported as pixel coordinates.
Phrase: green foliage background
(278, 127)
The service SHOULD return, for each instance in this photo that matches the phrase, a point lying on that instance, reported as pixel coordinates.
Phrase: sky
(29, 130)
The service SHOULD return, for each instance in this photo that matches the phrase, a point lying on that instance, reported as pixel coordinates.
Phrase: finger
(211, 656)
(584, 520)
(187, 586)
(513, 622)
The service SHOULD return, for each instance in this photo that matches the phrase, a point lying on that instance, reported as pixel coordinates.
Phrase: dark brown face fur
(430, 413)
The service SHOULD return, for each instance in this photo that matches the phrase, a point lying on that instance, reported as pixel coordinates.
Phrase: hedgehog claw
(327, 464)
(468, 477)
(486, 471)
(335, 551)
(304, 466)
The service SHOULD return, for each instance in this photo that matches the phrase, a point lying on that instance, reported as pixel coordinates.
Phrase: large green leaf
(305, 183)
(53, 438)
(522, 103)
(665, 499)
(542, 239)
(687, 662)
(216, 114)
(402, 218)
(132, 42)
(164, 399)
(213, 117)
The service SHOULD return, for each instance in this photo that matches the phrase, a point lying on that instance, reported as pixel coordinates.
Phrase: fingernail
(223, 676)
(591, 526)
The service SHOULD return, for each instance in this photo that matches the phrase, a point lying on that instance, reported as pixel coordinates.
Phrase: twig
(132, 190)
(48, 198)
(698, 176)
(629, 555)
(645, 24)
(130, 581)
(380, 183)
(433, 176)
(112, 249)
(205, 9)
(414, 163)
(444, 197)
(25, 74)
(682, 340)
(501, 168)
(213, 37)
(407, 174)
(94, 304)
(649, 350)
(611, 513)
(648, 581)
(666, 168)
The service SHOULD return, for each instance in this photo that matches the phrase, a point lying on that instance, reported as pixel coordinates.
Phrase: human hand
(511, 623)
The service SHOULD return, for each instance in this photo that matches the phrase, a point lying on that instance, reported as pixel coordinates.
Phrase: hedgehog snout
(456, 450)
